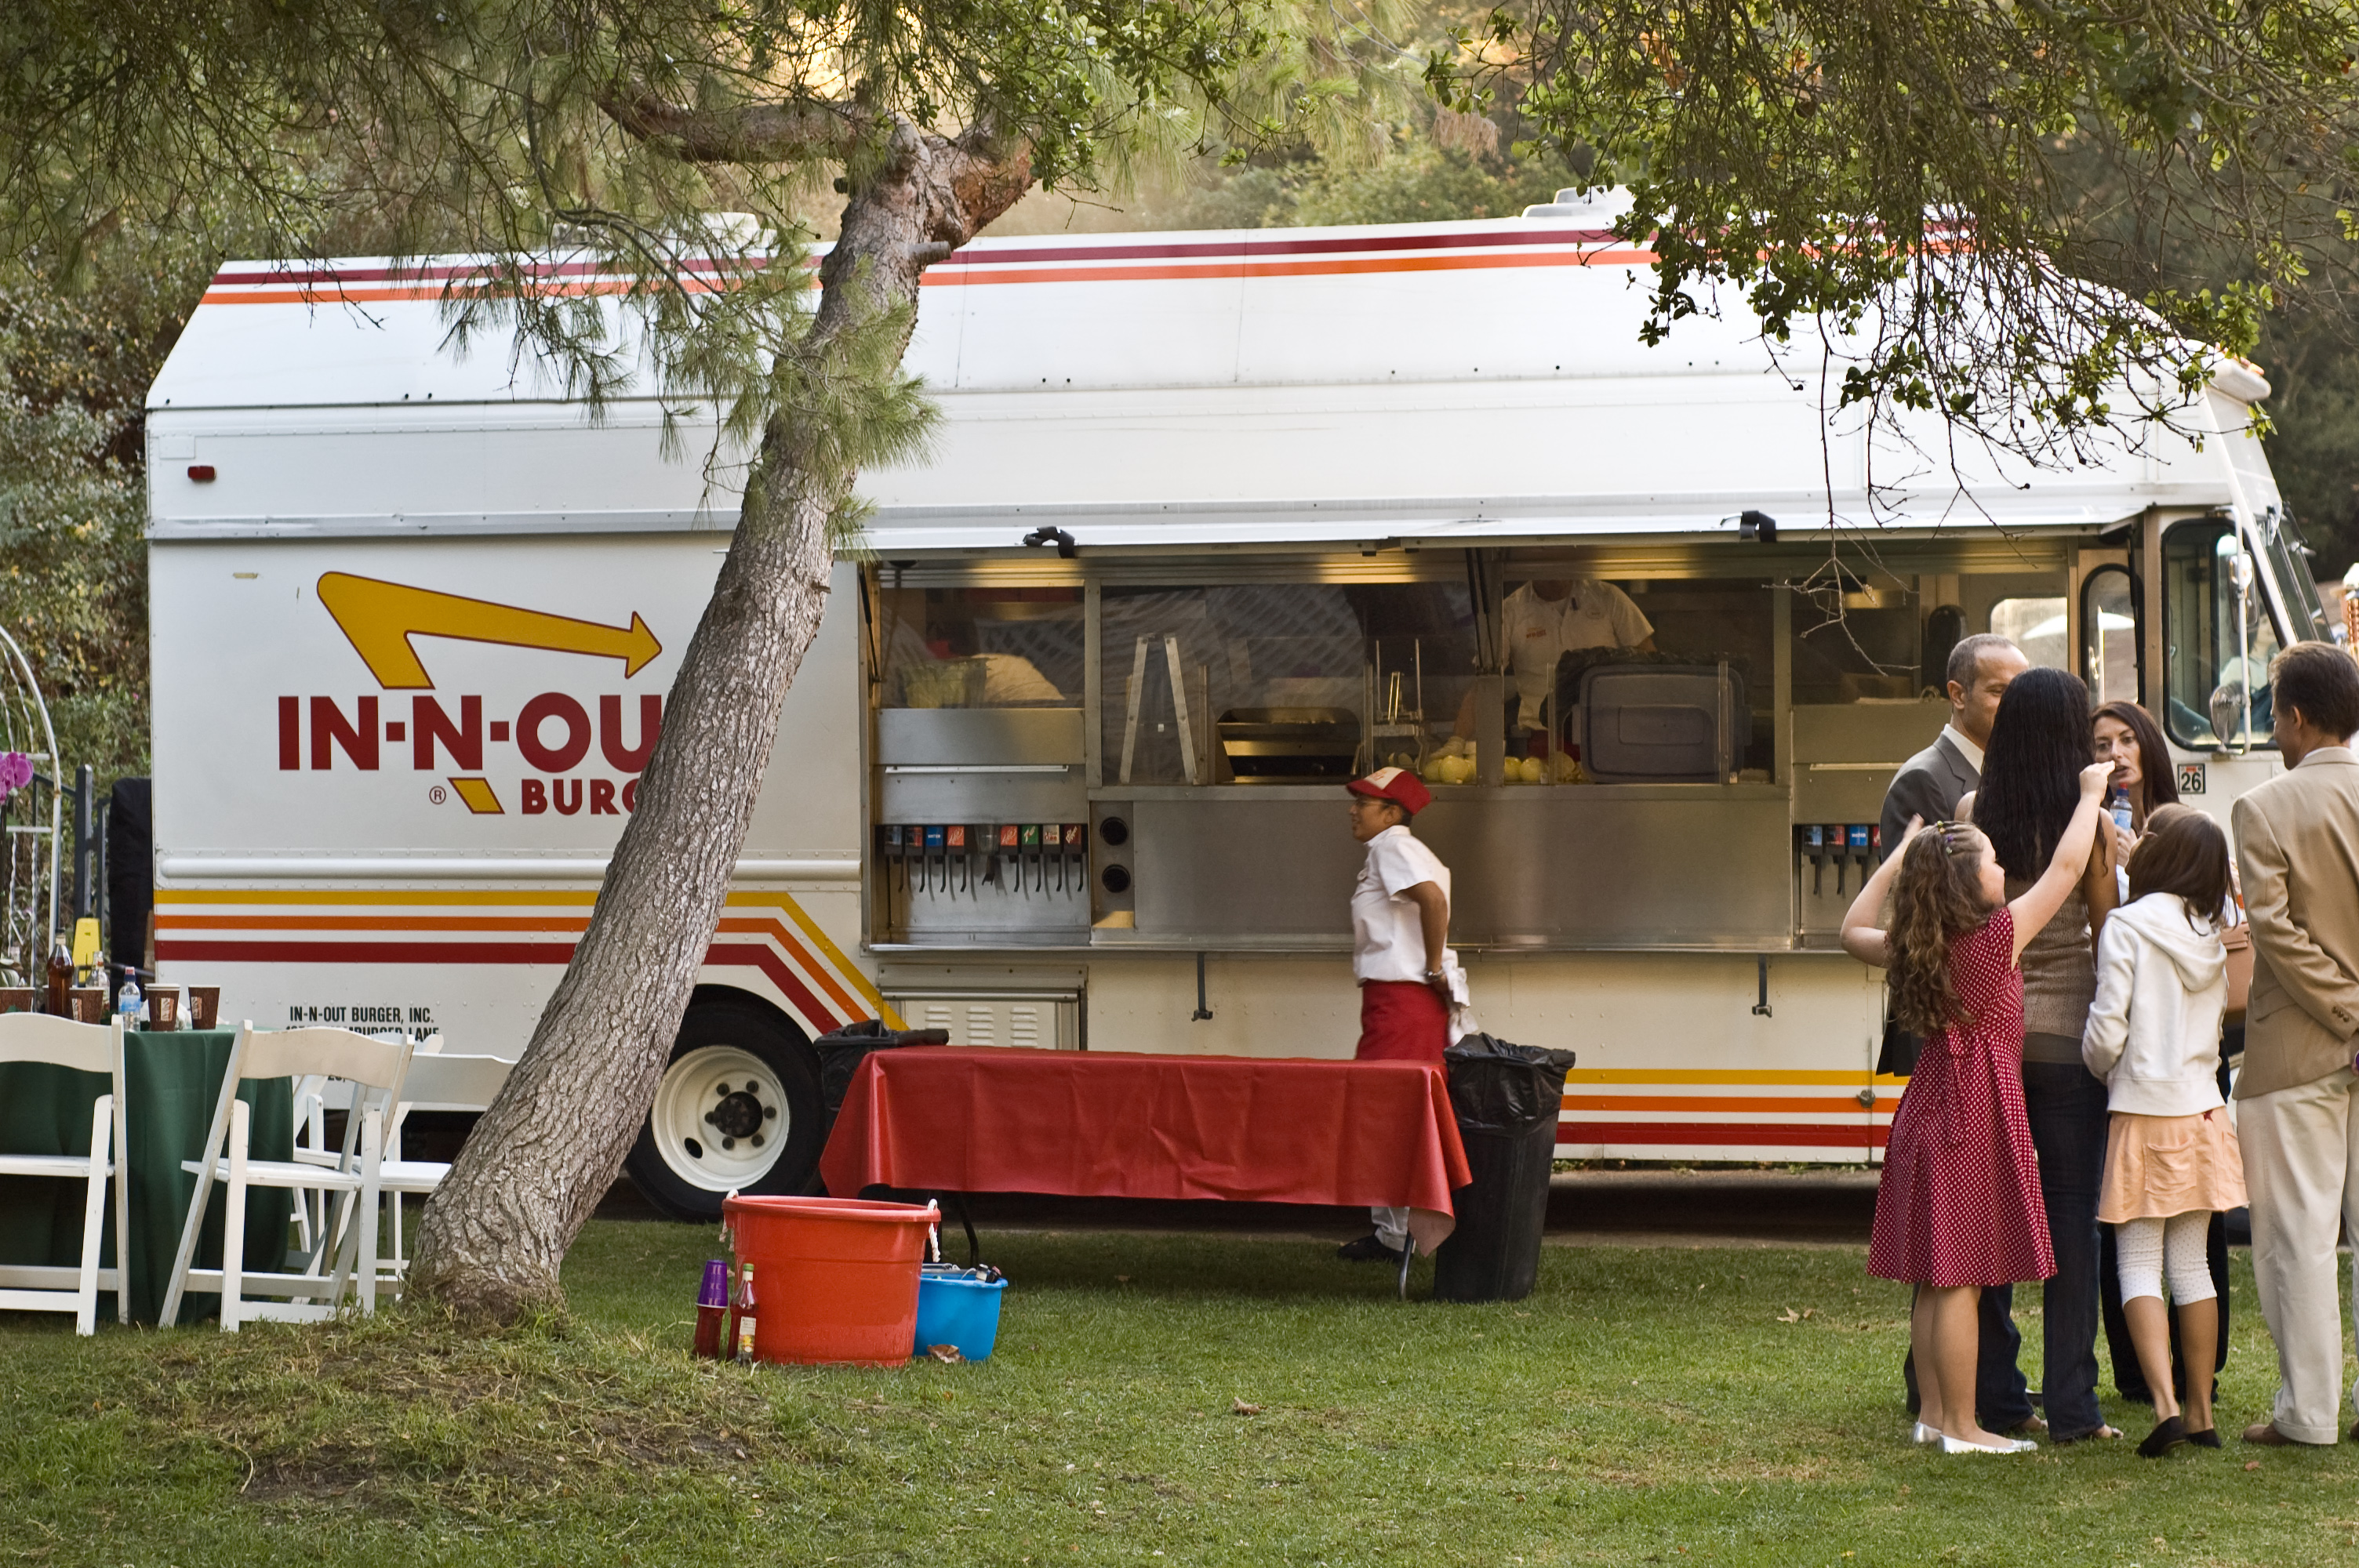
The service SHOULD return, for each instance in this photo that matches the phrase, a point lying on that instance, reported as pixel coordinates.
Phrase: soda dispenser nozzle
(1811, 844)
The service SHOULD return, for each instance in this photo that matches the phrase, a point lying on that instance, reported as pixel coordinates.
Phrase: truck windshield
(2218, 639)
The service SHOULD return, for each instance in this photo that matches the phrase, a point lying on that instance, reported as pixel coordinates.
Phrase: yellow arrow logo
(380, 619)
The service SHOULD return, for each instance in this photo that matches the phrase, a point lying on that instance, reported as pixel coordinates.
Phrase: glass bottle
(712, 1310)
(747, 1314)
(61, 979)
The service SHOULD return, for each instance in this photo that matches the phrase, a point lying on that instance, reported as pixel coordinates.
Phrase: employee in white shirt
(1541, 620)
(1401, 953)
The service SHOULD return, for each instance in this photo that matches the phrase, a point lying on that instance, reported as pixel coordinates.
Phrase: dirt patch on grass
(408, 1409)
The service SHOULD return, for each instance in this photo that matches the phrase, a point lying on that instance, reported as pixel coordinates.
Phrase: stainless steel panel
(1845, 754)
(1601, 867)
(935, 736)
(950, 899)
(984, 797)
(1244, 862)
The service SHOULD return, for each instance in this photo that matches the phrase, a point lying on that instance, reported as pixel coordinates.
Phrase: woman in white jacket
(2170, 1158)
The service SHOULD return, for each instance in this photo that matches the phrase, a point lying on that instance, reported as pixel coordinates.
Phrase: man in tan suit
(2297, 1100)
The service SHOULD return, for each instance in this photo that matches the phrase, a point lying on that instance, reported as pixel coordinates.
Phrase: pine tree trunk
(496, 1232)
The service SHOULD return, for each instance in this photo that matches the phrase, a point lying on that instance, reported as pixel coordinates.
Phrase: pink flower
(15, 772)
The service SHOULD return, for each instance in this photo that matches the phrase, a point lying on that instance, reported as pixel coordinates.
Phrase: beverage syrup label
(1031, 839)
(954, 835)
(1009, 835)
(1073, 835)
(934, 837)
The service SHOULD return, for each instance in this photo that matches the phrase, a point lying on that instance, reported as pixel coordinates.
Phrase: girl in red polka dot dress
(1958, 1206)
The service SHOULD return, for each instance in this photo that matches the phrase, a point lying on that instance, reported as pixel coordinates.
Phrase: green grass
(1645, 1405)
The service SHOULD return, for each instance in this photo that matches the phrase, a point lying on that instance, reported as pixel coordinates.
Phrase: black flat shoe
(1368, 1250)
(2167, 1436)
(2207, 1438)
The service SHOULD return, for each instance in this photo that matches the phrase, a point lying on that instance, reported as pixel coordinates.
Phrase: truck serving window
(2211, 680)
(980, 647)
(2109, 636)
(2036, 626)
(1277, 683)
(1856, 642)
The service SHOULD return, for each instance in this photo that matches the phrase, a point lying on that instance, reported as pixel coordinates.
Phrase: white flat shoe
(1920, 1432)
(2003, 1446)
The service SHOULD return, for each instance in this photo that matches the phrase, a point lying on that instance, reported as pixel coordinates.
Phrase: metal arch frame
(40, 706)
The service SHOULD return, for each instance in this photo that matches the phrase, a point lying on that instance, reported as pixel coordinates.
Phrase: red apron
(1402, 1022)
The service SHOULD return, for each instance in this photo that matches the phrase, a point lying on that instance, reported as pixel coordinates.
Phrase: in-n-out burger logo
(553, 733)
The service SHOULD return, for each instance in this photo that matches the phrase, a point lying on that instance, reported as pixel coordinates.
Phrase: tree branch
(753, 133)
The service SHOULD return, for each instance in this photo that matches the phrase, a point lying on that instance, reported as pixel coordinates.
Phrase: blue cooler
(958, 1307)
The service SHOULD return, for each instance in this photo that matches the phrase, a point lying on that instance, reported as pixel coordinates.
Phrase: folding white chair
(85, 1048)
(434, 1083)
(375, 1070)
(313, 1093)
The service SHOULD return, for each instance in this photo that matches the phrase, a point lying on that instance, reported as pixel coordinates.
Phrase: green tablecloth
(171, 1081)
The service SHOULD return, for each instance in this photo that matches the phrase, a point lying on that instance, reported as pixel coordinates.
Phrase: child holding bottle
(1958, 1206)
(2172, 1159)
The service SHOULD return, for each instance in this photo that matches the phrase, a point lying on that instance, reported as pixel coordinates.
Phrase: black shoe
(2207, 1438)
(1368, 1250)
(2167, 1436)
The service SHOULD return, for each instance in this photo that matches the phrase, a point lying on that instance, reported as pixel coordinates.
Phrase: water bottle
(2120, 807)
(129, 1003)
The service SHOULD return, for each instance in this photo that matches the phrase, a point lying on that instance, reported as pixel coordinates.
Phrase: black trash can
(1506, 1099)
(840, 1052)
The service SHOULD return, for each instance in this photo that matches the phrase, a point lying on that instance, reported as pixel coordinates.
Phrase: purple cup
(715, 1292)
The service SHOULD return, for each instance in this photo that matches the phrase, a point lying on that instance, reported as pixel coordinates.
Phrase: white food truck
(1214, 521)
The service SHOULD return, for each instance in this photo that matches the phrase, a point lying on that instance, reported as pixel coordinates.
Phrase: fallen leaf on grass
(948, 1355)
(1240, 1408)
(1790, 1315)
(2252, 1464)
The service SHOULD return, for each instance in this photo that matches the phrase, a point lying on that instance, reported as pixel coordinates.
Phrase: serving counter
(1539, 867)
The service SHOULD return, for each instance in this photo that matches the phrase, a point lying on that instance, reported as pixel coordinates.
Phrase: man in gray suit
(1929, 785)
(2297, 1099)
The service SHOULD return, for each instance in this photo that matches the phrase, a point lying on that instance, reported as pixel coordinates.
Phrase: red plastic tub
(834, 1278)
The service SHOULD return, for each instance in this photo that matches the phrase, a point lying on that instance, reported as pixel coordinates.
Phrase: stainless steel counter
(1535, 867)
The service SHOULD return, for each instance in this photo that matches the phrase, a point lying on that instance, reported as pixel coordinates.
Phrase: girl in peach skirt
(2170, 1156)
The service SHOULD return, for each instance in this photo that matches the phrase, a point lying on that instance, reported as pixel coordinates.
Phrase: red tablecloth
(1108, 1124)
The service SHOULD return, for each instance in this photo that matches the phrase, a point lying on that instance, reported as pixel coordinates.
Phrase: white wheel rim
(717, 1080)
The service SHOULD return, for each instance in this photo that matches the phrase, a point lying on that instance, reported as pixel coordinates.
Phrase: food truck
(1211, 522)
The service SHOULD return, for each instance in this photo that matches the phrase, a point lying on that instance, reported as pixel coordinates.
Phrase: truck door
(2229, 599)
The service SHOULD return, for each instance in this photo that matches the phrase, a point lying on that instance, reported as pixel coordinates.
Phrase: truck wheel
(738, 1110)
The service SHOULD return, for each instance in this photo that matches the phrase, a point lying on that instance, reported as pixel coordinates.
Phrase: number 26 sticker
(2190, 778)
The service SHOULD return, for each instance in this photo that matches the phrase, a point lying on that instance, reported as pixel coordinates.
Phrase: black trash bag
(1496, 1087)
(840, 1052)
(1507, 1099)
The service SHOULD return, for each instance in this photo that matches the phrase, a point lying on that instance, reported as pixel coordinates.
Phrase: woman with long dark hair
(2039, 743)
(2127, 737)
